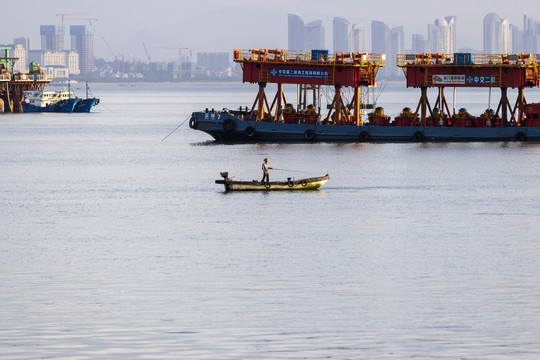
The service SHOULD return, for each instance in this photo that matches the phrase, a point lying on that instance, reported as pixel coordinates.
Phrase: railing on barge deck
(526, 60)
(316, 57)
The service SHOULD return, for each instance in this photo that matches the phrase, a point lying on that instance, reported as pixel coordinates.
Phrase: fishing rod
(176, 128)
(298, 171)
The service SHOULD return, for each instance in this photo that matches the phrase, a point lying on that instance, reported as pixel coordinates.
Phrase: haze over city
(213, 25)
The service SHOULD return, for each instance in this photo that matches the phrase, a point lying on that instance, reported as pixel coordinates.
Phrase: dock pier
(13, 85)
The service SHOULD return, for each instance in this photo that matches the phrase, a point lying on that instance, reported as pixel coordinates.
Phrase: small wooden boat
(289, 184)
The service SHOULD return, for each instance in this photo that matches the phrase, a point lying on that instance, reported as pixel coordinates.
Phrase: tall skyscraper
(359, 41)
(342, 35)
(531, 35)
(497, 38)
(442, 36)
(82, 41)
(296, 32)
(418, 44)
(380, 42)
(52, 37)
(26, 43)
(314, 38)
(397, 46)
(449, 42)
(380, 37)
(517, 39)
(305, 37)
(434, 42)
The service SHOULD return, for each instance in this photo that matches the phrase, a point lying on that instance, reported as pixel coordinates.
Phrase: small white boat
(289, 184)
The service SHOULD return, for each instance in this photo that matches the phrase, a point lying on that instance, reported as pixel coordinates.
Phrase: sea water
(116, 244)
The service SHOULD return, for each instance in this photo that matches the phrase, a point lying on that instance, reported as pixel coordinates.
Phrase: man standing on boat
(265, 171)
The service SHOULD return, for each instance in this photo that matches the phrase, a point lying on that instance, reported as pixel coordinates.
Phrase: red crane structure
(309, 70)
(470, 70)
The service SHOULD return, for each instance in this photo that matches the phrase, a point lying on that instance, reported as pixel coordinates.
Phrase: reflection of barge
(343, 121)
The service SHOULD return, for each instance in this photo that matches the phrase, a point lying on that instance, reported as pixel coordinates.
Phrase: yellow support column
(261, 99)
(356, 101)
(338, 105)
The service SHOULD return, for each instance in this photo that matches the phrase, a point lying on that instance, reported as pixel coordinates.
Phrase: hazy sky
(223, 25)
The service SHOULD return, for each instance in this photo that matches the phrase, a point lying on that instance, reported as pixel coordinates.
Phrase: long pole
(289, 170)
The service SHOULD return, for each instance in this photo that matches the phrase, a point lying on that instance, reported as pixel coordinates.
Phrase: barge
(349, 120)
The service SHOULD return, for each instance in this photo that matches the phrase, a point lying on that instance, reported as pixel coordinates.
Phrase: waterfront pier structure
(12, 86)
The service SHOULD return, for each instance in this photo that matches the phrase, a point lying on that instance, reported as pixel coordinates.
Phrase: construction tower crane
(63, 15)
(147, 53)
(89, 20)
(110, 49)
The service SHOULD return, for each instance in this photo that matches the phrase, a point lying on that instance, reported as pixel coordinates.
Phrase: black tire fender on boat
(193, 123)
(309, 135)
(303, 183)
(267, 185)
(418, 136)
(520, 136)
(250, 132)
(364, 136)
(229, 124)
(290, 183)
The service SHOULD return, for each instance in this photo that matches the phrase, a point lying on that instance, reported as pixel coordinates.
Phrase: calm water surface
(118, 245)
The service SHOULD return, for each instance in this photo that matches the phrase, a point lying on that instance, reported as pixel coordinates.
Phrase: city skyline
(211, 25)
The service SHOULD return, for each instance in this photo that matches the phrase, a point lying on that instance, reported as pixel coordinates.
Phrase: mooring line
(176, 128)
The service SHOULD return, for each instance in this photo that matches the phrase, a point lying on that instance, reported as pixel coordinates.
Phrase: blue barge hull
(228, 126)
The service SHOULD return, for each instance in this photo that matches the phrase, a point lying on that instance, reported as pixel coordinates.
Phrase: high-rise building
(380, 37)
(359, 41)
(82, 41)
(342, 35)
(56, 63)
(18, 51)
(449, 41)
(497, 38)
(434, 41)
(380, 42)
(314, 36)
(418, 44)
(26, 43)
(52, 37)
(296, 32)
(442, 36)
(348, 37)
(517, 39)
(531, 35)
(397, 46)
(213, 61)
(305, 37)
